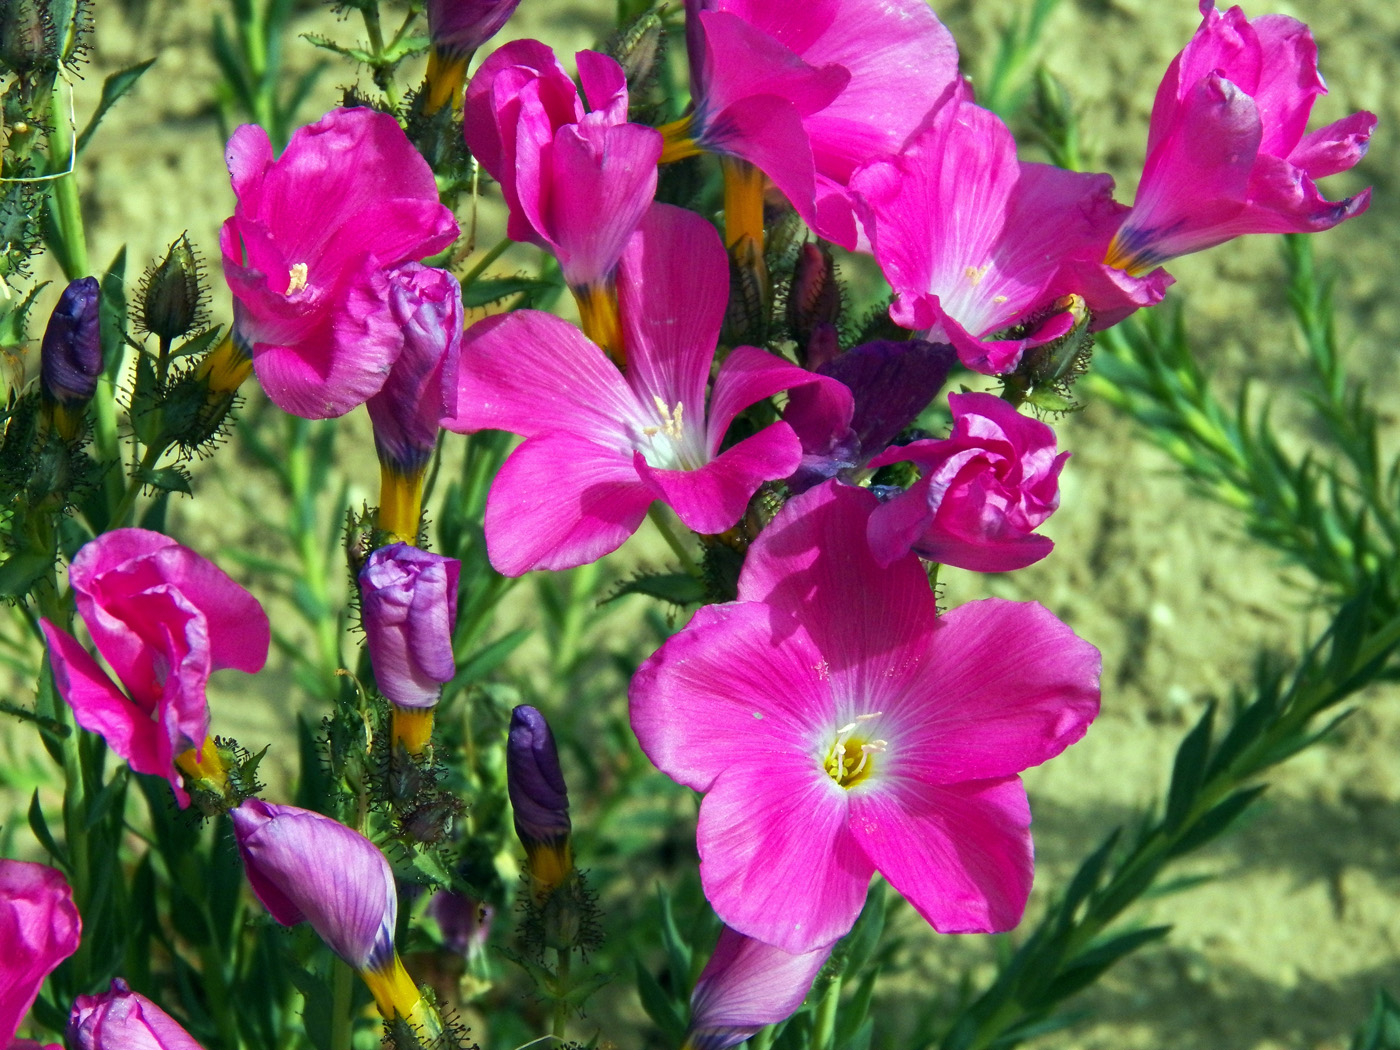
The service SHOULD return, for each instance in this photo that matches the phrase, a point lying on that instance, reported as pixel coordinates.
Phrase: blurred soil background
(1286, 945)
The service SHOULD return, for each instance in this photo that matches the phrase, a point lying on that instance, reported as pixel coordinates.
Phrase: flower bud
(540, 800)
(27, 36)
(171, 300)
(408, 601)
(70, 357)
(465, 922)
(746, 986)
(814, 300)
(39, 928)
(457, 28)
(121, 1019)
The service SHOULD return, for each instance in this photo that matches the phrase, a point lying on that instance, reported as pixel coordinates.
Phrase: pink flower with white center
(985, 489)
(304, 250)
(601, 446)
(576, 182)
(39, 928)
(807, 94)
(1227, 152)
(838, 728)
(974, 241)
(746, 986)
(164, 618)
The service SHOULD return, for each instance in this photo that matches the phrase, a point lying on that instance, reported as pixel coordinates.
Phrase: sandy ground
(1285, 947)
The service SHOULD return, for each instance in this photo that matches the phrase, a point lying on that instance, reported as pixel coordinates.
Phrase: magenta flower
(164, 619)
(121, 1019)
(577, 183)
(1227, 152)
(39, 928)
(808, 99)
(974, 241)
(985, 489)
(408, 601)
(601, 446)
(306, 246)
(859, 734)
(746, 986)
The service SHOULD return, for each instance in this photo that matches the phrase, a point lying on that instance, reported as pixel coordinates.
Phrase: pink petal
(39, 927)
(986, 707)
(767, 132)
(1337, 147)
(100, 707)
(672, 289)
(736, 675)
(742, 61)
(1288, 81)
(713, 497)
(604, 179)
(873, 638)
(960, 853)
(749, 375)
(777, 861)
(604, 85)
(560, 501)
(748, 984)
(530, 373)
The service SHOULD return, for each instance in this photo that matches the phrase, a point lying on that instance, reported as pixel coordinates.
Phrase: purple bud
(408, 600)
(746, 986)
(305, 867)
(465, 922)
(426, 306)
(70, 359)
(121, 1019)
(537, 790)
(459, 27)
(815, 299)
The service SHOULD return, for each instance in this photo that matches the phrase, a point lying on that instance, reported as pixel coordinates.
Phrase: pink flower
(164, 619)
(1227, 153)
(745, 986)
(601, 446)
(305, 247)
(576, 182)
(39, 928)
(121, 1019)
(408, 600)
(837, 729)
(985, 489)
(974, 241)
(807, 95)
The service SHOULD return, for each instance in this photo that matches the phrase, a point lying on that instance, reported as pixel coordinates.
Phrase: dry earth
(1285, 947)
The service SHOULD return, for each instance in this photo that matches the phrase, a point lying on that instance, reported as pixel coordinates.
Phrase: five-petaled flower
(838, 729)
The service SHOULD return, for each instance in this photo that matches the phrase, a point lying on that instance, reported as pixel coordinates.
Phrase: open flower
(120, 1019)
(39, 928)
(745, 986)
(985, 489)
(838, 729)
(1227, 152)
(304, 250)
(602, 446)
(164, 618)
(808, 99)
(975, 242)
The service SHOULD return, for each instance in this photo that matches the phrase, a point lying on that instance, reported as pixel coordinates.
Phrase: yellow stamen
(204, 763)
(743, 202)
(296, 279)
(447, 74)
(412, 727)
(226, 367)
(393, 990)
(848, 761)
(676, 143)
(400, 503)
(598, 313)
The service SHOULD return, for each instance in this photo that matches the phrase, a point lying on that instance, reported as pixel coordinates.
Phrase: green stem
(71, 248)
(663, 526)
(149, 459)
(342, 993)
(561, 988)
(497, 250)
(308, 544)
(824, 1025)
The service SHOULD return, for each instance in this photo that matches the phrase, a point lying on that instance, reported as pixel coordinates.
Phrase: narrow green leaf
(114, 87)
(1088, 967)
(166, 479)
(1382, 1028)
(113, 790)
(679, 953)
(1217, 820)
(659, 1006)
(40, 827)
(1188, 771)
(678, 588)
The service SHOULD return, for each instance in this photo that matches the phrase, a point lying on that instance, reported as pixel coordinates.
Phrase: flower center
(297, 279)
(665, 443)
(850, 760)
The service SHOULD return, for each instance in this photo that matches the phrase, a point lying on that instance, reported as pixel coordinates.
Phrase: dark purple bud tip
(70, 358)
(536, 784)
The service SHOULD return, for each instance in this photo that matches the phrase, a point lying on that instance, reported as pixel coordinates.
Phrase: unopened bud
(27, 36)
(70, 358)
(540, 799)
(815, 298)
(171, 301)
